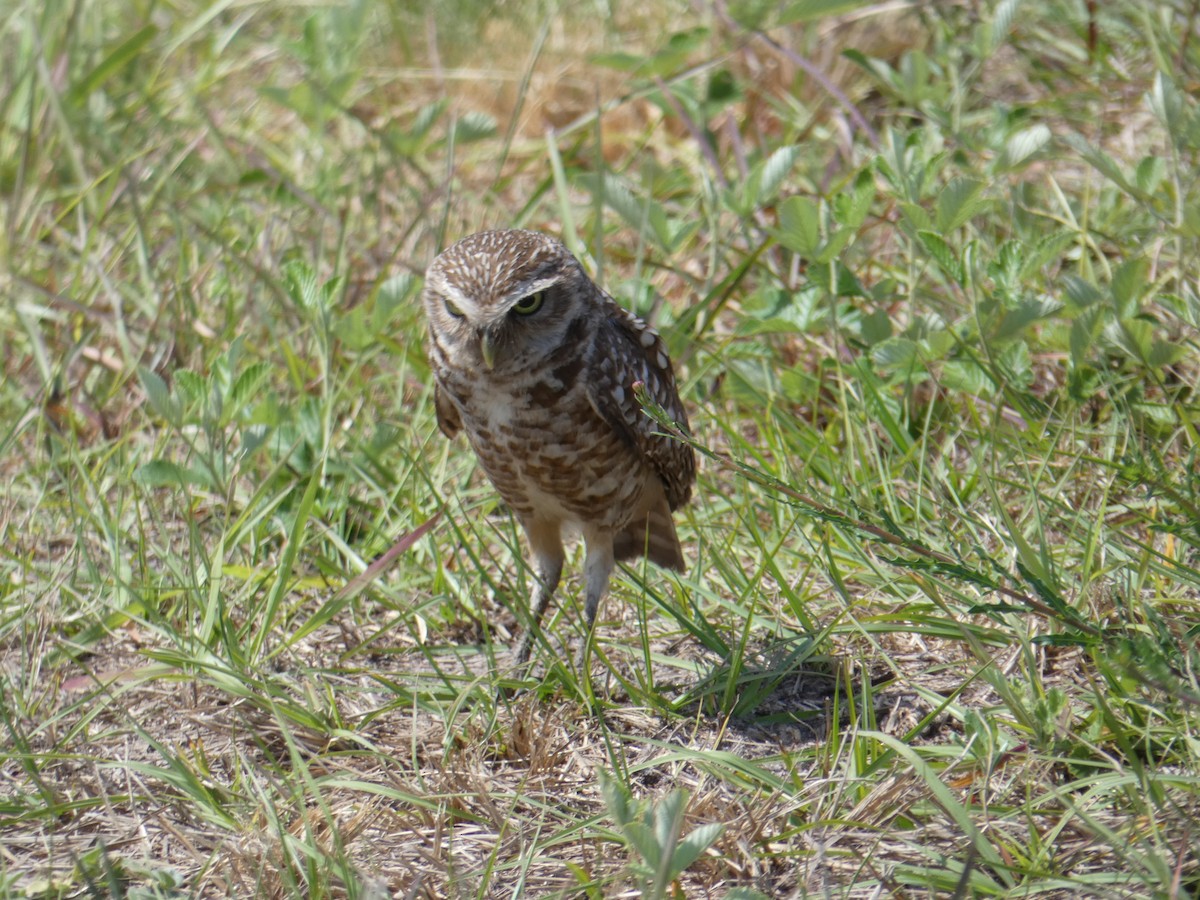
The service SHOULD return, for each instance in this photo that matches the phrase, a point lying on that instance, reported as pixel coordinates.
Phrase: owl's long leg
(597, 568)
(545, 540)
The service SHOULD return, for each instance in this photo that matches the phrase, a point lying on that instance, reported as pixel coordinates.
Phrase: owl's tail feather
(653, 536)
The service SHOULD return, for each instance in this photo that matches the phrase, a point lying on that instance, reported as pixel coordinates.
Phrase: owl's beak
(487, 349)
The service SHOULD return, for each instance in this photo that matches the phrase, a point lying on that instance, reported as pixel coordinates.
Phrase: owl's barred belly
(562, 462)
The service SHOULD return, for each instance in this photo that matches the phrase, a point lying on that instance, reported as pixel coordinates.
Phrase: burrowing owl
(538, 366)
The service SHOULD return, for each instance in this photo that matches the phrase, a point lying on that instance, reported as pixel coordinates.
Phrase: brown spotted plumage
(537, 366)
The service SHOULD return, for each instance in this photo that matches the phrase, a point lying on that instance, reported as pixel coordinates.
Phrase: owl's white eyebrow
(461, 299)
(531, 287)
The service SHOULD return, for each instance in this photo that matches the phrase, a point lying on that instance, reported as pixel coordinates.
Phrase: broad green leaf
(301, 284)
(247, 385)
(1082, 294)
(164, 473)
(1165, 353)
(1016, 365)
(846, 283)
(834, 245)
(772, 173)
(1003, 17)
(878, 68)
(958, 202)
(783, 311)
(1047, 251)
(937, 341)
(667, 231)
(1130, 283)
(1022, 145)
(192, 389)
(876, 326)
(397, 289)
(850, 207)
(800, 225)
(966, 376)
(616, 798)
(643, 839)
(916, 215)
(721, 91)
(255, 436)
(351, 329)
(943, 254)
(1007, 265)
(917, 82)
(1027, 311)
(1160, 414)
(690, 848)
(473, 126)
(158, 395)
(898, 353)
(1170, 108)
(668, 818)
(970, 261)
(1083, 334)
(1150, 173)
(1134, 336)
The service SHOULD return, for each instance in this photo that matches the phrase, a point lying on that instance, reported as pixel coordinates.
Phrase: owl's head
(503, 299)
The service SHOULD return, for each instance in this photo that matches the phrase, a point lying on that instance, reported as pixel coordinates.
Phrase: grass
(928, 275)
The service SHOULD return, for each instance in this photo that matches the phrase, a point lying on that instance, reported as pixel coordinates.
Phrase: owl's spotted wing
(448, 419)
(627, 351)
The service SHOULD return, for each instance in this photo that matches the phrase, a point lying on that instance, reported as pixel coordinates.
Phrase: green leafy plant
(653, 832)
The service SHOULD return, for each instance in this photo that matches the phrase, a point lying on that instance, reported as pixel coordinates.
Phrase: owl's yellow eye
(527, 306)
(453, 310)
